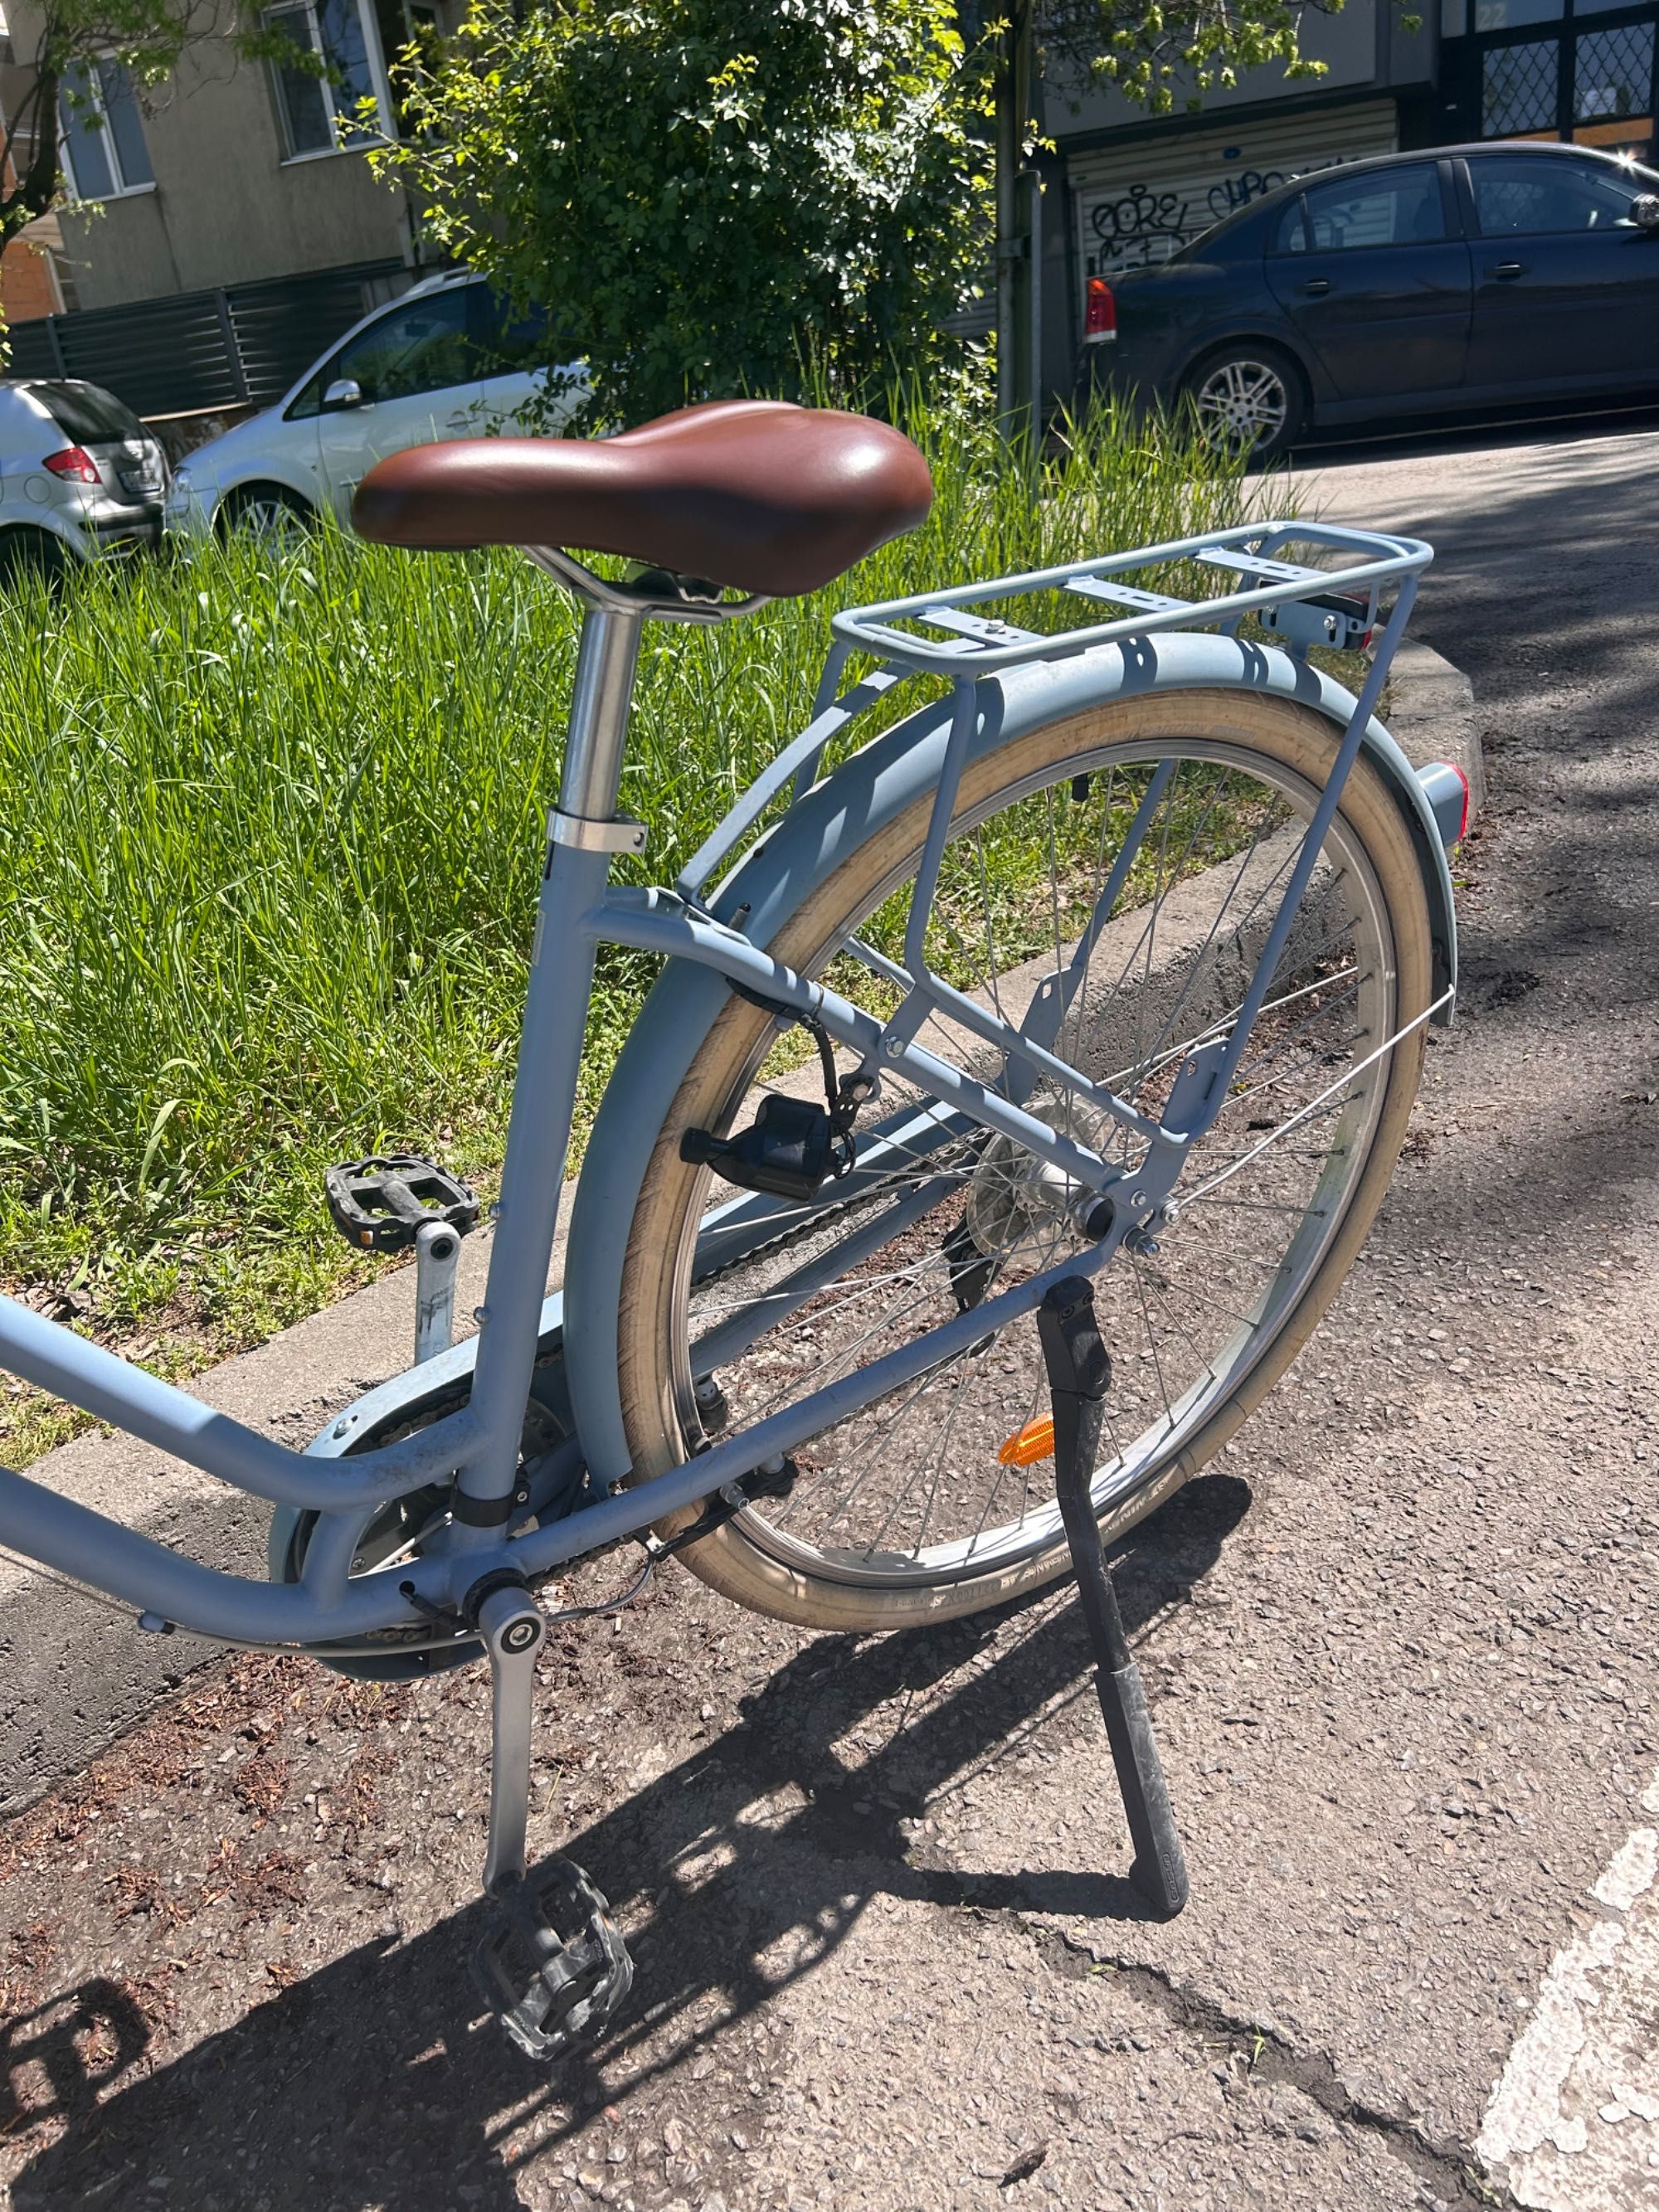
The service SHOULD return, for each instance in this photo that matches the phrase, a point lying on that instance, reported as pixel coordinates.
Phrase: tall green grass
(269, 838)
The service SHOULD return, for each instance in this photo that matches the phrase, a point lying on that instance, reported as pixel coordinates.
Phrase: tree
(1156, 53)
(86, 56)
(716, 196)
(712, 198)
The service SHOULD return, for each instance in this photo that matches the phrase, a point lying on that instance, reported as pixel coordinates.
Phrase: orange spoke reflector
(1034, 1442)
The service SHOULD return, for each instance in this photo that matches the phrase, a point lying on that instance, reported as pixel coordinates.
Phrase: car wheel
(25, 552)
(270, 514)
(1249, 399)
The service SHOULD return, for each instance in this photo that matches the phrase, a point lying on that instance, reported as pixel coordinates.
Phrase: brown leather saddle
(755, 494)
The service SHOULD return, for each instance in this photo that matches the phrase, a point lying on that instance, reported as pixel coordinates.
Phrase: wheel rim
(936, 1504)
(1244, 403)
(271, 522)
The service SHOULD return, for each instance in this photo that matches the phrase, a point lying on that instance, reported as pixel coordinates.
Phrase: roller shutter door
(1136, 204)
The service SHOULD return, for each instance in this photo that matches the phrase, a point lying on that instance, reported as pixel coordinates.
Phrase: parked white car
(80, 475)
(442, 361)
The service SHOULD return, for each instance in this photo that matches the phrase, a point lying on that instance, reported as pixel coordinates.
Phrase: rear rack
(1305, 606)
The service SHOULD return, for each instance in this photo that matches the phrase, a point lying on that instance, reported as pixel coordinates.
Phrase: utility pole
(1018, 379)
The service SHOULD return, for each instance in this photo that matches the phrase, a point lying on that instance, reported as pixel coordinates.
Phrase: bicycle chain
(789, 1236)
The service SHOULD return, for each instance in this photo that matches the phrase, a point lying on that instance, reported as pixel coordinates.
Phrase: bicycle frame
(579, 911)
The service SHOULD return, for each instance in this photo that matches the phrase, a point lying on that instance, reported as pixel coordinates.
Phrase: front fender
(876, 785)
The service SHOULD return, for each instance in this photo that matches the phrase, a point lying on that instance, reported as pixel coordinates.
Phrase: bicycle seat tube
(584, 832)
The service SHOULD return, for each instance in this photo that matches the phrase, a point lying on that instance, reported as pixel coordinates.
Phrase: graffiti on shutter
(1136, 206)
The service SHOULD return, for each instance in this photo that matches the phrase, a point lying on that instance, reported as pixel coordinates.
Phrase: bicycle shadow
(738, 1871)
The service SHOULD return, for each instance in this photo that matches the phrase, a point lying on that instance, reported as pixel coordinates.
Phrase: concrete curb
(1431, 715)
(81, 1675)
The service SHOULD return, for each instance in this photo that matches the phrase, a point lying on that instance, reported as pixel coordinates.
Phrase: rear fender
(869, 790)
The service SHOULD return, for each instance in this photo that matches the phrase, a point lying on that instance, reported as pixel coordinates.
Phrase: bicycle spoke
(915, 1484)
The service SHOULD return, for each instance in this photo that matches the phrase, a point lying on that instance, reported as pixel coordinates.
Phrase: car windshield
(87, 416)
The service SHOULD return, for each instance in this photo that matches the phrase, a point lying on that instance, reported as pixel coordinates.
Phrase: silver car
(80, 476)
(446, 360)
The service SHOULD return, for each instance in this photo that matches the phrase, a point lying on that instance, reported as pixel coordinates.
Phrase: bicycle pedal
(555, 1969)
(382, 1203)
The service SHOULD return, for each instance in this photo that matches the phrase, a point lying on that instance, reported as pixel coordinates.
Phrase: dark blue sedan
(1469, 277)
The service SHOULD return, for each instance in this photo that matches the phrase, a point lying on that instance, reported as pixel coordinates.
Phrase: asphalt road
(1399, 1645)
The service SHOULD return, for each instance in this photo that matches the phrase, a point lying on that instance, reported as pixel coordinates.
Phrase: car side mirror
(346, 392)
(1645, 211)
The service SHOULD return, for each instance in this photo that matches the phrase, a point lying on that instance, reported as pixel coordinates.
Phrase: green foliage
(713, 199)
(272, 843)
(1162, 54)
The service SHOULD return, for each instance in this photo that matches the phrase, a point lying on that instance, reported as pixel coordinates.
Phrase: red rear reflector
(75, 464)
(1099, 311)
(1463, 818)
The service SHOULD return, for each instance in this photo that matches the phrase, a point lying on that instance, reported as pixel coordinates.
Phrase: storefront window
(1520, 87)
(1613, 74)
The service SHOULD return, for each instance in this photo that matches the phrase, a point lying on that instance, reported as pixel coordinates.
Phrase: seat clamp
(623, 835)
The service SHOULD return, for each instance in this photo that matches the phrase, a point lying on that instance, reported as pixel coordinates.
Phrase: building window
(1591, 79)
(401, 24)
(1520, 88)
(1613, 74)
(321, 113)
(103, 133)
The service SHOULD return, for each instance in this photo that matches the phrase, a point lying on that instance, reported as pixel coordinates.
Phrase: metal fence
(240, 345)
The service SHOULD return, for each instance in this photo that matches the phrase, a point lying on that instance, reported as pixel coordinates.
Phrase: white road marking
(1573, 2124)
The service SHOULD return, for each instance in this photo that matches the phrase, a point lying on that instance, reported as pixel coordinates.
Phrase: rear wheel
(25, 552)
(916, 1507)
(1250, 398)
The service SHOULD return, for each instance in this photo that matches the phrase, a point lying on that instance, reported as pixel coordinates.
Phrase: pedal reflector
(1034, 1442)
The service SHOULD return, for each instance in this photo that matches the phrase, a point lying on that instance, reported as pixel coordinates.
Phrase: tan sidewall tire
(1295, 737)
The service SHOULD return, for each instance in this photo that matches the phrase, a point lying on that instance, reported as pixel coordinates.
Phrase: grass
(269, 845)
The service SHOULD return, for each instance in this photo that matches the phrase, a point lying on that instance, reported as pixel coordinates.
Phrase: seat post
(606, 660)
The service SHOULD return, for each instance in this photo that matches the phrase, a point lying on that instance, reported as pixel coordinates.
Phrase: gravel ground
(1399, 1644)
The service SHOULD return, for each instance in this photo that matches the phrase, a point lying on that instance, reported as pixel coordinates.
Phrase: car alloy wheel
(272, 521)
(1244, 403)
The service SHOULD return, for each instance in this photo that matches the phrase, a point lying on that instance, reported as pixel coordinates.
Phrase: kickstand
(1078, 1374)
(554, 1967)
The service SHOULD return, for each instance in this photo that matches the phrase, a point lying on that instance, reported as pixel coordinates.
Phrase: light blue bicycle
(1108, 964)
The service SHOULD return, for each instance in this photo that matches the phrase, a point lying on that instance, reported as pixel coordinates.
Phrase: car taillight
(1099, 312)
(75, 464)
